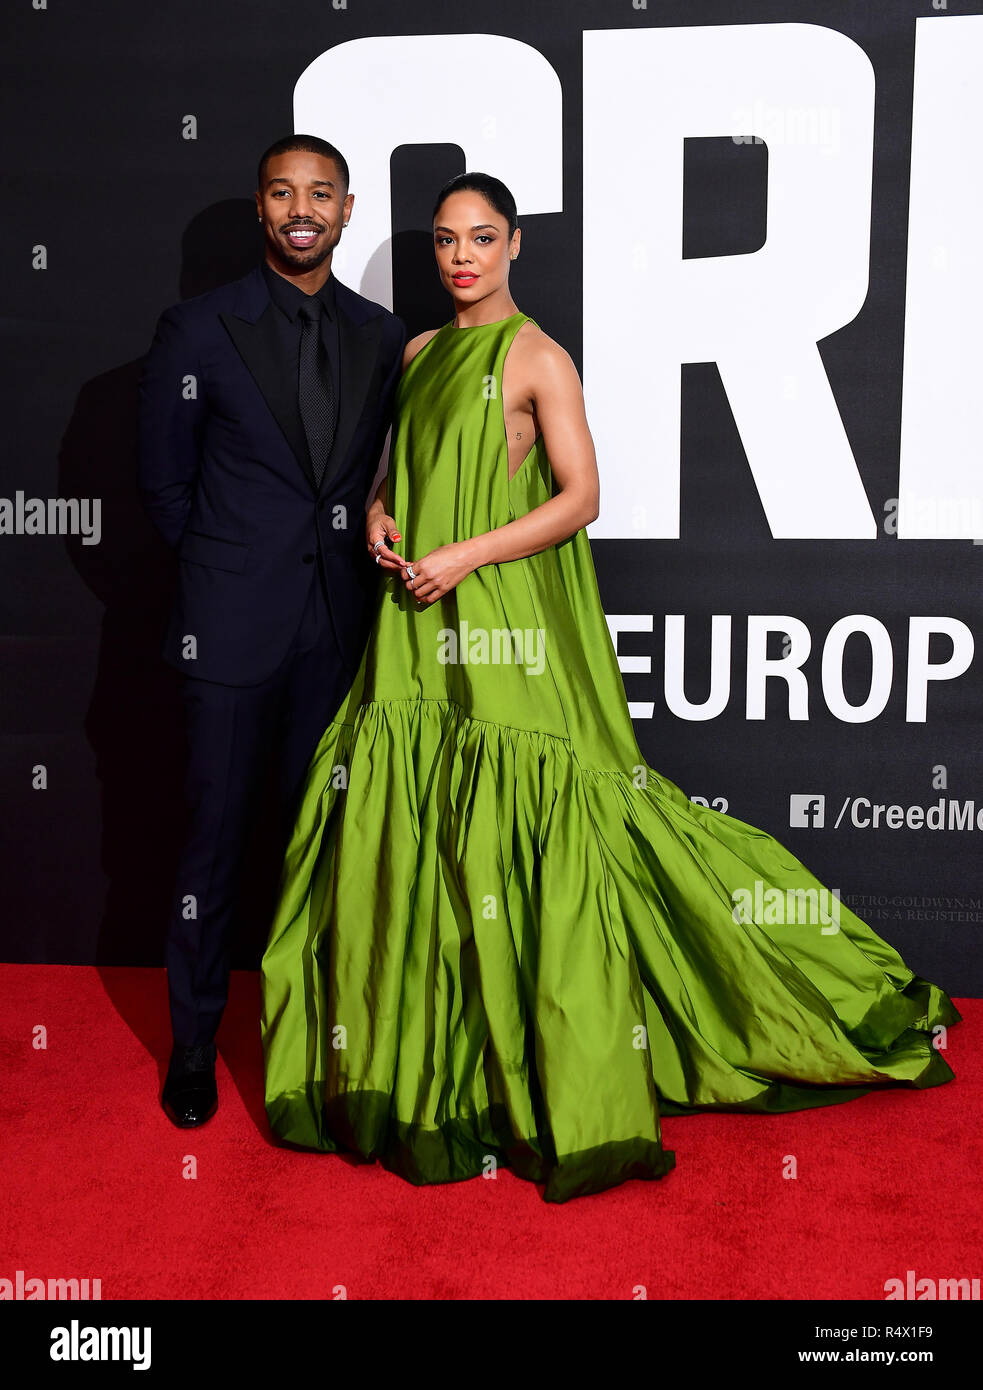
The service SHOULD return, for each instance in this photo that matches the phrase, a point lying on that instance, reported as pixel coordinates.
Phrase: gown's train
(502, 938)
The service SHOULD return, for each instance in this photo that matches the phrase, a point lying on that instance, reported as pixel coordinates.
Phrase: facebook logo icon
(807, 809)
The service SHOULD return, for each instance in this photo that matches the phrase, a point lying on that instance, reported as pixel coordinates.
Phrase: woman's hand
(380, 527)
(440, 571)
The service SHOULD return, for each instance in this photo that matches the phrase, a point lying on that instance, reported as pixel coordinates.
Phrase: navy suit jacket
(226, 477)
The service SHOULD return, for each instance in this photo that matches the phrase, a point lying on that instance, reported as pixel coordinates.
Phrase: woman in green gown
(502, 938)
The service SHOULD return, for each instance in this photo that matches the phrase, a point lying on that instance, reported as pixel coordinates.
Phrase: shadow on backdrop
(134, 722)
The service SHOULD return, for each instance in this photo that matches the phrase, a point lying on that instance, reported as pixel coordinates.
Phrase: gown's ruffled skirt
(536, 959)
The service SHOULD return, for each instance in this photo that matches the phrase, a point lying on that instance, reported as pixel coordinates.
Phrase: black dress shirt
(286, 297)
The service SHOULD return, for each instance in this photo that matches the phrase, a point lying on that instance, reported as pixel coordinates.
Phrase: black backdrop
(134, 217)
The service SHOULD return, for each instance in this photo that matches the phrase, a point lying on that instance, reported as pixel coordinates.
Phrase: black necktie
(315, 389)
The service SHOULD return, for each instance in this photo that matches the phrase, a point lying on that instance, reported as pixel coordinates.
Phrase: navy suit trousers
(233, 732)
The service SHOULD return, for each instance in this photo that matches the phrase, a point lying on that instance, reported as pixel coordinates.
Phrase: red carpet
(93, 1185)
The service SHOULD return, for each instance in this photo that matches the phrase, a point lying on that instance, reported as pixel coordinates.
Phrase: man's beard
(306, 260)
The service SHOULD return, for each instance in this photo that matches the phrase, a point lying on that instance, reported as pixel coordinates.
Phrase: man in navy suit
(264, 407)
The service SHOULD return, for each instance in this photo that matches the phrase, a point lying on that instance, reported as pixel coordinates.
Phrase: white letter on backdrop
(940, 493)
(498, 98)
(808, 92)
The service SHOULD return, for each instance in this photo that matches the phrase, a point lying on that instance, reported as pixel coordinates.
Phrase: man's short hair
(310, 144)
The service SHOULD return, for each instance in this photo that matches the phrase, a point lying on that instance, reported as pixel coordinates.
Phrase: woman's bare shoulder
(540, 354)
(415, 344)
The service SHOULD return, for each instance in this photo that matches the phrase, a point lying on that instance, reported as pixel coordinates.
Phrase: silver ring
(409, 571)
(377, 560)
(378, 543)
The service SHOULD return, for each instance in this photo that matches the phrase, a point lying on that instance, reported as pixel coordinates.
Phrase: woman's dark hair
(490, 188)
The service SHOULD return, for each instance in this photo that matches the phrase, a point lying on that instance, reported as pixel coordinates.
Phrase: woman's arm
(558, 403)
(379, 525)
(379, 500)
(546, 375)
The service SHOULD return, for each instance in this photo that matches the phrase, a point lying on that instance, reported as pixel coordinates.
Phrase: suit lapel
(256, 342)
(358, 344)
(250, 326)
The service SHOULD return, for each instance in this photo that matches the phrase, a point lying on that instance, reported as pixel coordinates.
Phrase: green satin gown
(501, 938)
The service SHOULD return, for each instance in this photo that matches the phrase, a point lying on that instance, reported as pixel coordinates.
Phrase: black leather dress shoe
(190, 1096)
